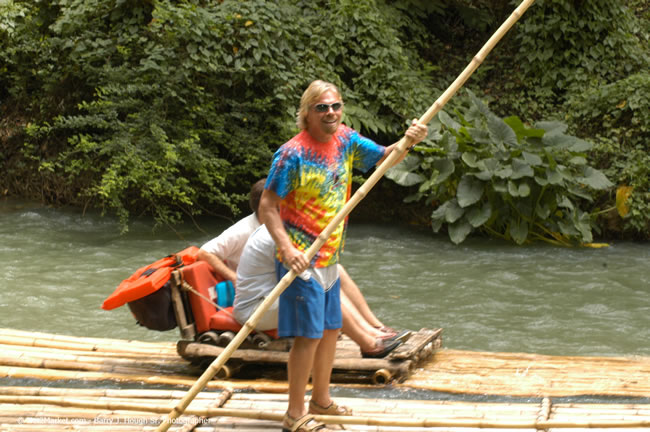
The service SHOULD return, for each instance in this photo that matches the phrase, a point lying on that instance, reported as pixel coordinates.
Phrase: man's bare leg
(322, 370)
(353, 328)
(299, 367)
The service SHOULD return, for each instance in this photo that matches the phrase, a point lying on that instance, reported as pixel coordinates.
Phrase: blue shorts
(306, 309)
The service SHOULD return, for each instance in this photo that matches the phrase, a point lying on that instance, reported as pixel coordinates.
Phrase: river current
(58, 266)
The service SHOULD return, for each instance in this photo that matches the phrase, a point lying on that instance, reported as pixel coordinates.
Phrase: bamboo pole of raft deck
(532, 423)
(361, 193)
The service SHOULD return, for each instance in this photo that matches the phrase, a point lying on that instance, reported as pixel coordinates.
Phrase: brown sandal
(306, 423)
(332, 409)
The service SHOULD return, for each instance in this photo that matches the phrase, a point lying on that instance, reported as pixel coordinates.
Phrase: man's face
(323, 119)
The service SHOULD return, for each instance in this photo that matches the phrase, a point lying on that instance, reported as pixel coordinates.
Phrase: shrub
(618, 116)
(174, 108)
(567, 42)
(506, 179)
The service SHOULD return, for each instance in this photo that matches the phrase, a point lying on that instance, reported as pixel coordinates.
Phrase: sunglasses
(323, 108)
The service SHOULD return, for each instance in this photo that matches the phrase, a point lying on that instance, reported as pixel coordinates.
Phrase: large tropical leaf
(445, 168)
(521, 169)
(521, 130)
(470, 190)
(622, 195)
(578, 160)
(583, 225)
(500, 132)
(448, 143)
(453, 212)
(542, 210)
(558, 140)
(580, 191)
(565, 202)
(436, 224)
(459, 231)
(403, 173)
(580, 145)
(446, 120)
(479, 215)
(532, 158)
(504, 173)
(518, 189)
(478, 103)
(439, 213)
(470, 159)
(479, 135)
(519, 230)
(595, 179)
(554, 176)
(554, 126)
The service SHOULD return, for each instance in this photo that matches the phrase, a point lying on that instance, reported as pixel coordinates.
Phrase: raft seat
(223, 320)
(199, 275)
(206, 317)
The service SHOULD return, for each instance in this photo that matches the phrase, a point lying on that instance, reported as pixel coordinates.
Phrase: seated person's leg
(350, 288)
(353, 329)
(369, 342)
(355, 316)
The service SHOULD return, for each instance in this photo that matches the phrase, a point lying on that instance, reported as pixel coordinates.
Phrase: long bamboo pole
(361, 193)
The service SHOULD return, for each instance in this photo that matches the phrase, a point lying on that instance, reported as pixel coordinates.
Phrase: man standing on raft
(308, 184)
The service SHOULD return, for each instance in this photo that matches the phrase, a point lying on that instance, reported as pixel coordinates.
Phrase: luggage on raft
(148, 292)
(155, 311)
(179, 291)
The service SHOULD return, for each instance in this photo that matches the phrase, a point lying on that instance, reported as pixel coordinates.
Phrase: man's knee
(305, 343)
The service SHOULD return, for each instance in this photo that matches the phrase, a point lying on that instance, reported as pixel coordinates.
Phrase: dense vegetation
(172, 108)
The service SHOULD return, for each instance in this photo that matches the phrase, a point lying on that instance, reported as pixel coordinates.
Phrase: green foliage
(585, 63)
(566, 42)
(502, 177)
(618, 116)
(170, 108)
(562, 48)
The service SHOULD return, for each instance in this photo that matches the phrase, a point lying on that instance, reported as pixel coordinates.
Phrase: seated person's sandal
(306, 423)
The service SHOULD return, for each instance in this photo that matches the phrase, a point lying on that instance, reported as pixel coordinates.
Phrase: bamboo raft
(227, 404)
(26, 409)
(43, 356)
(349, 366)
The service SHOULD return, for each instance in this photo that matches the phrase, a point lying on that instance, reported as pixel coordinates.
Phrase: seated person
(223, 254)
(223, 251)
(256, 278)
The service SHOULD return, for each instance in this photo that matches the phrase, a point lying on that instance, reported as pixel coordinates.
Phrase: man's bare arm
(416, 132)
(218, 265)
(269, 215)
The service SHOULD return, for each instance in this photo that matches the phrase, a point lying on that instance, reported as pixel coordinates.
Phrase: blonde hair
(311, 95)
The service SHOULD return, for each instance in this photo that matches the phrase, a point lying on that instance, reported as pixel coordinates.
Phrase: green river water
(58, 266)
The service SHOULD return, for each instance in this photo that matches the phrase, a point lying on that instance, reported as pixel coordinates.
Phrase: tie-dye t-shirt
(314, 181)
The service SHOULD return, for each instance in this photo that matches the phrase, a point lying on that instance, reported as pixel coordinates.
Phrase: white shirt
(228, 246)
(256, 279)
